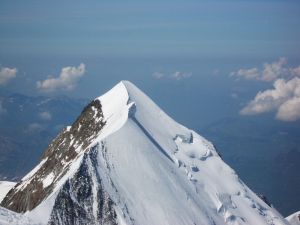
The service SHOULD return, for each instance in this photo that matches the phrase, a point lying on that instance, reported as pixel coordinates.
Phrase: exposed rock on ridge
(56, 160)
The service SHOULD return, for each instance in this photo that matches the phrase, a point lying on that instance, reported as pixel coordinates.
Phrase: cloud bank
(6, 74)
(67, 79)
(284, 98)
(269, 71)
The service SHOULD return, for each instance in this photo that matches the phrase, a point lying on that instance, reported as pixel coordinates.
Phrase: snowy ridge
(141, 167)
(294, 219)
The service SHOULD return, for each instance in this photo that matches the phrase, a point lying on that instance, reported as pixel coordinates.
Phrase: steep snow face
(5, 187)
(140, 167)
(164, 173)
(294, 219)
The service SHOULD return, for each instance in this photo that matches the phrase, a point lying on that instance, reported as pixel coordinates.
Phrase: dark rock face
(82, 200)
(57, 159)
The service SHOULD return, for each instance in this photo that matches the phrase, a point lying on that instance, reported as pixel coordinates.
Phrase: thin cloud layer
(269, 71)
(284, 98)
(67, 79)
(180, 75)
(6, 74)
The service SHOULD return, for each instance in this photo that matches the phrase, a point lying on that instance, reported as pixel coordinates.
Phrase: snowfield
(147, 169)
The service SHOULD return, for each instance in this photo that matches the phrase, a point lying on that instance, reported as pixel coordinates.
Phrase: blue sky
(201, 28)
(203, 42)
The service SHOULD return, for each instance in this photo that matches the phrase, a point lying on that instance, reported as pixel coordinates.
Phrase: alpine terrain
(124, 161)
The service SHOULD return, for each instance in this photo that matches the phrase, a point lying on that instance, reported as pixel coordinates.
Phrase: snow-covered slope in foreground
(140, 167)
(294, 219)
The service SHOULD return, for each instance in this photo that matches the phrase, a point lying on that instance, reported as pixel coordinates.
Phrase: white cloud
(269, 71)
(45, 115)
(290, 110)
(296, 71)
(6, 74)
(158, 75)
(180, 75)
(67, 79)
(248, 74)
(274, 70)
(283, 98)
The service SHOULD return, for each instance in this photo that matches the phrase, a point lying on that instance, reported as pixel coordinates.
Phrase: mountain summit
(124, 161)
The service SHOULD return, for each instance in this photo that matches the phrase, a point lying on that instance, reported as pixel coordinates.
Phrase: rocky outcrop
(56, 161)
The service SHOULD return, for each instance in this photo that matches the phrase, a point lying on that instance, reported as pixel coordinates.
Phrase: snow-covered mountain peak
(125, 161)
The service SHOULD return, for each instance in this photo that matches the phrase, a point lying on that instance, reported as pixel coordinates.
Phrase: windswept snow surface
(5, 186)
(156, 171)
(294, 219)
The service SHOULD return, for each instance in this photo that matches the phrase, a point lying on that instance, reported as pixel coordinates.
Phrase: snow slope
(5, 186)
(294, 219)
(144, 168)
